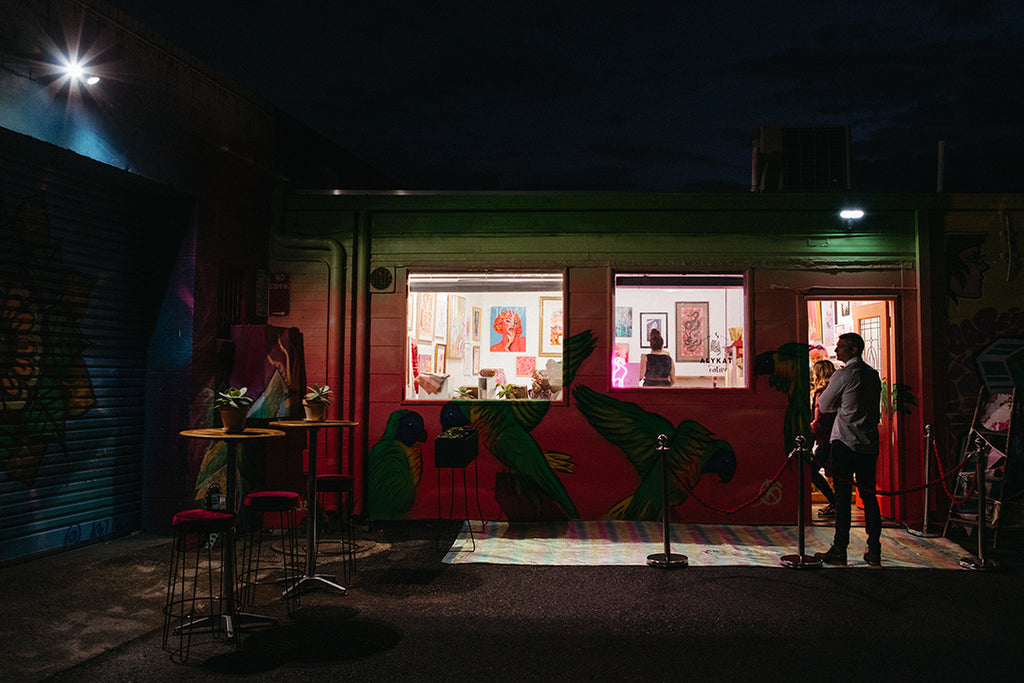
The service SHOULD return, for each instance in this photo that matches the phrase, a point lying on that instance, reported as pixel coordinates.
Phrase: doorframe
(894, 474)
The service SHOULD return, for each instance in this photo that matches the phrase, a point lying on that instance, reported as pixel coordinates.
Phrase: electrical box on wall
(279, 294)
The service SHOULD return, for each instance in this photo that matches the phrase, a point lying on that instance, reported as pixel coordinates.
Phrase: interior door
(873, 321)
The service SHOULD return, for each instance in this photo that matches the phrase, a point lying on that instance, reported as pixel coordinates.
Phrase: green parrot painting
(692, 452)
(396, 464)
(504, 428)
(789, 371)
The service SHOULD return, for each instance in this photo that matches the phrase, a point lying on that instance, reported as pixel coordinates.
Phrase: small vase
(233, 419)
(314, 411)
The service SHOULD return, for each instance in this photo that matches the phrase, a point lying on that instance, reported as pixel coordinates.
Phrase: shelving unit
(998, 441)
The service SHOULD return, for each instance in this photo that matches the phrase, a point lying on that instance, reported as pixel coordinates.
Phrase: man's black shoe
(832, 556)
(873, 557)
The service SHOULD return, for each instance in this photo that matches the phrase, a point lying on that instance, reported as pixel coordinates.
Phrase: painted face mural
(966, 266)
(509, 326)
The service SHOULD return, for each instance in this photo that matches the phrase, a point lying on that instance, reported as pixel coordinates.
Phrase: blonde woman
(821, 429)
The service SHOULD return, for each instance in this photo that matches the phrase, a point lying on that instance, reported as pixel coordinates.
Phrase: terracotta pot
(314, 411)
(233, 419)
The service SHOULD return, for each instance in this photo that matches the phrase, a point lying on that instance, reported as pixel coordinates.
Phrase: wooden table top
(309, 424)
(219, 433)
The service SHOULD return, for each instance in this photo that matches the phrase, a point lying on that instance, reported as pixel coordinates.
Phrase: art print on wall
(476, 359)
(828, 324)
(653, 321)
(456, 325)
(441, 319)
(425, 316)
(551, 328)
(477, 315)
(507, 328)
(693, 342)
(525, 365)
(814, 322)
(440, 359)
(623, 321)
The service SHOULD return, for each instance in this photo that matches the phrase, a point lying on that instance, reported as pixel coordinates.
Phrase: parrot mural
(396, 464)
(692, 452)
(789, 371)
(504, 428)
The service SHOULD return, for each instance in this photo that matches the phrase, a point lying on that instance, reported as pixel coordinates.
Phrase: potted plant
(511, 391)
(315, 402)
(234, 407)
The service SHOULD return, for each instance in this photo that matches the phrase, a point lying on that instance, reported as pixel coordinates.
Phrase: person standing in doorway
(854, 393)
(821, 430)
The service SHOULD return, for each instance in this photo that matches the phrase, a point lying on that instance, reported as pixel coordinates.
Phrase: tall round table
(311, 579)
(231, 440)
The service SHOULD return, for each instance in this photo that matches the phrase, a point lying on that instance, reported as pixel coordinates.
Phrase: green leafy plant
(511, 391)
(318, 395)
(233, 398)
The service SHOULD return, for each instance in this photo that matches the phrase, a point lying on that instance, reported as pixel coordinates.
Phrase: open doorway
(874, 320)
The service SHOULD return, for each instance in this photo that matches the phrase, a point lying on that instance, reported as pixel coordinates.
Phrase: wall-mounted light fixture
(851, 216)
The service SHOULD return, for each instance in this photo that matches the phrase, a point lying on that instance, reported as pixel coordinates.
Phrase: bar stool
(193, 602)
(343, 485)
(268, 510)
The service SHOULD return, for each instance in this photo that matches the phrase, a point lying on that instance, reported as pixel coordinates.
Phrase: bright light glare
(851, 214)
(76, 74)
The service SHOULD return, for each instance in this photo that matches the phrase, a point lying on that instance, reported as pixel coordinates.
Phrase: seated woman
(657, 369)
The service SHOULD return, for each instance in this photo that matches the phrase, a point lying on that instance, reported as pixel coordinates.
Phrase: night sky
(645, 96)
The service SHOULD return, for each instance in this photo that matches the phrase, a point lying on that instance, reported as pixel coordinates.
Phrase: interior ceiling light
(851, 214)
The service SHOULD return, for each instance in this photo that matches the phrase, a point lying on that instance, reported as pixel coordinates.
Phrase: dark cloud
(642, 96)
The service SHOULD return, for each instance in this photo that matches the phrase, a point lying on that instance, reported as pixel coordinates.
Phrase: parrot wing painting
(396, 464)
(504, 429)
(692, 452)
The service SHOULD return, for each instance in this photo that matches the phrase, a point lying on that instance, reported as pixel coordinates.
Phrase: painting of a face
(508, 326)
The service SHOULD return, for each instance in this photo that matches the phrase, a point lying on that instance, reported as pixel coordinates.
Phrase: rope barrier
(943, 476)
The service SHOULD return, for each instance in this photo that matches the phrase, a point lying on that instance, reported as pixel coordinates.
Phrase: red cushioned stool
(343, 485)
(195, 584)
(266, 511)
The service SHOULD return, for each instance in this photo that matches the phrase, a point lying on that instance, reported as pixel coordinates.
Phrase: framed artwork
(828, 324)
(623, 321)
(622, 351)
(814, 321)
(653, 321)
(476, 323)
(525, 365)
(693, 342)
(507, 328)
(425, 363)
(456, 325)
(440, 358)
(476, 359)
(551, 328)
(441, 319)
(425, 316)
(467, 353)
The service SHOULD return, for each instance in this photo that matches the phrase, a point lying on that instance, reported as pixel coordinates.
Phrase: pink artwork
(692, 337)
(525, 365)
(622, 351)
(425, 362)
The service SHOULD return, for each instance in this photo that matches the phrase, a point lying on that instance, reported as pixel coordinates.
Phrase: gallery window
(484, 335)
(697, 320)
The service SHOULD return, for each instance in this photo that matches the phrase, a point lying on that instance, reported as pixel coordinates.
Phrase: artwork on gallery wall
(456, 325)
(693, 342)
(623, 321)
(525, 365)
(508, 332)
(425, 316)
(828, 324)
(653, 321)
(477, 315)
(814, 322)
(425, 363)
(622, 351)
(551, 328)
(440, 359)
(441, 319)
(467, 354)
(476, 360)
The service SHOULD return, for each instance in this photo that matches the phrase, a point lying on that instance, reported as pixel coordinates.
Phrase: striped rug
(704, 545)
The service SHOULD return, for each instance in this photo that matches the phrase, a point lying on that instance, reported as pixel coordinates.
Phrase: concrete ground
(94, 613)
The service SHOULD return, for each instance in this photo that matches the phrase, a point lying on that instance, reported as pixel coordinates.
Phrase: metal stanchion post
(927, 477)
(667, 559)
(979, 562)
(800, 560)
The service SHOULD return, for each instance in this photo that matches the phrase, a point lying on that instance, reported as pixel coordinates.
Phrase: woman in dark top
(657, 368)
